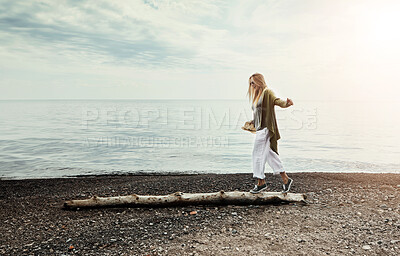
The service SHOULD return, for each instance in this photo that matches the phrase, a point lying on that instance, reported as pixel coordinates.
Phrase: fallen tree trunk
(179, 198)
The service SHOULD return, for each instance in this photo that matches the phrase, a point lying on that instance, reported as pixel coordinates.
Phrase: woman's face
(252, 83)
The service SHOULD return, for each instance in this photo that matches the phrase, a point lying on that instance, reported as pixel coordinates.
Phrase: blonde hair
(255, 93)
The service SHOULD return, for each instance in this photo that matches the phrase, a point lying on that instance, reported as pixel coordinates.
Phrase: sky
(324, 50)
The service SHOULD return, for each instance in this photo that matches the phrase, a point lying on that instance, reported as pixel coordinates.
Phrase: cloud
(196, 46)
(148, 33)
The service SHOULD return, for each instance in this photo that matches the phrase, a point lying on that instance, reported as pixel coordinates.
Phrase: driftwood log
(180, 198)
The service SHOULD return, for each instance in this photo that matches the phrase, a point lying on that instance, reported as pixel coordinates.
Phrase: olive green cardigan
(268, 116)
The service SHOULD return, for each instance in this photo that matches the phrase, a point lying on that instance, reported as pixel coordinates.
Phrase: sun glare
(381, 25)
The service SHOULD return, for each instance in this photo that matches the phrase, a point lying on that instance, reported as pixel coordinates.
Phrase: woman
(267, 134)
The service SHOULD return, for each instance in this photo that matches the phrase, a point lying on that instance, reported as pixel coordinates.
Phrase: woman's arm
(283, 103)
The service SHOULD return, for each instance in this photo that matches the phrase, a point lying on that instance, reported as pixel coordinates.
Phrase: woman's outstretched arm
(283, 103)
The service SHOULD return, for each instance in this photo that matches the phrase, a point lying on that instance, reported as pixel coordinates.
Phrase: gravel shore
(356, 214)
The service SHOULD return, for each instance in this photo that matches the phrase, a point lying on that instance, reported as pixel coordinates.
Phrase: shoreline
(177, 173)
(348, 214)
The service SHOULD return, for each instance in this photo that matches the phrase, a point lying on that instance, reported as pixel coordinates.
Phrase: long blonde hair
(260, 85)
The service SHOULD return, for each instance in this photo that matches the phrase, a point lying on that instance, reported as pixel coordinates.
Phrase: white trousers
(262, 153)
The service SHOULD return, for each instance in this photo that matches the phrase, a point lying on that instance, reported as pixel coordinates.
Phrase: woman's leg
(259, 156)
(285, 178)
(276, 164)
(274, 161)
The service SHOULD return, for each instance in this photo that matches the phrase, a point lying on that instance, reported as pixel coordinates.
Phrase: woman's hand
(289, 102)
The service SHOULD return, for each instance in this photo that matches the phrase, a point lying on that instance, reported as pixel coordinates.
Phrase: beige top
(268, 118)
(257, 113)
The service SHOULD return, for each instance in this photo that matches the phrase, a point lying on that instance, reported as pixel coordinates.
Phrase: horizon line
(182, 99)
(116, 99)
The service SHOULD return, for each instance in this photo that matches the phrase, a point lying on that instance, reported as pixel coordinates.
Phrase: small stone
(329, 190)
(366, 247)
(234, 231)
(383, 206)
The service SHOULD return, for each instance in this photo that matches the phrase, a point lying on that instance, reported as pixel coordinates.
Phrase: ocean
(64, 138)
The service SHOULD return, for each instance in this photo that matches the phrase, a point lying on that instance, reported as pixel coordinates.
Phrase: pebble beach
(346, 214)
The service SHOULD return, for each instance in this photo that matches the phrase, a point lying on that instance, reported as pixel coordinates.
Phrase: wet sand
(347, 213)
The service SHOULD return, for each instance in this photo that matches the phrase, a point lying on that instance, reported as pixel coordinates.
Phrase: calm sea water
(57, 138)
